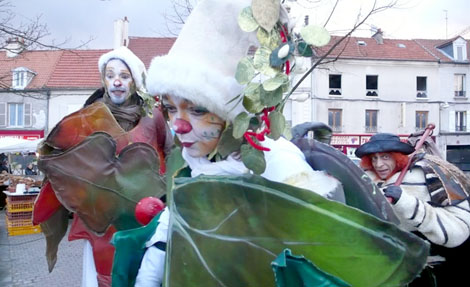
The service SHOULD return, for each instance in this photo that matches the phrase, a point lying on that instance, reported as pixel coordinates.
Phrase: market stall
(20, 183)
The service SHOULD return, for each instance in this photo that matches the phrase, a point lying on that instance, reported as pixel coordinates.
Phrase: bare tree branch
(32, 32)
(28, 35)
(322, 60)
(176, 19)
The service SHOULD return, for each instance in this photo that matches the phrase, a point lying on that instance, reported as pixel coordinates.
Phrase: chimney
(14, 46)
(121, 33)
(378, 36)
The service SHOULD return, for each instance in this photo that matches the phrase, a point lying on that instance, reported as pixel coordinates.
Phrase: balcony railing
(461, 94)
(372, 93)
(421, 94)
(460, 128)
(371, 129)
(335, 92)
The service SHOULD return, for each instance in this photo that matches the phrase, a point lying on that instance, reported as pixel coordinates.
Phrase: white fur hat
(136, 66)
(201, 65)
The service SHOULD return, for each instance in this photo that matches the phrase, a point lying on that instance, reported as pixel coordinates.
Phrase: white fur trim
(195, 81)
(201, 65)
(136, 66)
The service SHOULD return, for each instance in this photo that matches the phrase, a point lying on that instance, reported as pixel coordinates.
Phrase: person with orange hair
(422, 201)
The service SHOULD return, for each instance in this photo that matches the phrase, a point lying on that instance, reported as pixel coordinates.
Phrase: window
(461, 121)
(334, 119)
(459, 85)
(421, 86)
(372, 83)
(335, 85)
(421, 120)
(460, 50)
(371, 121)
(19, 114)
(459, 53)
(21, 78)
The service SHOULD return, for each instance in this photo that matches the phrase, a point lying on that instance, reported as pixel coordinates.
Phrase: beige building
(391, 85)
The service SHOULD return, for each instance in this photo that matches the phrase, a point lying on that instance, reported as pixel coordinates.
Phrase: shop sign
(25, 135)
(344, 140)
(365, 139)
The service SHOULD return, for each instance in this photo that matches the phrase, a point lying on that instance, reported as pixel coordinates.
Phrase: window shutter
(3, 114)
(27, 115)
(452, 116)
(467, 114)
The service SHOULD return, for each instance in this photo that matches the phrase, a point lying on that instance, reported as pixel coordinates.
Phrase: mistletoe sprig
(150, 103)
(266, 79)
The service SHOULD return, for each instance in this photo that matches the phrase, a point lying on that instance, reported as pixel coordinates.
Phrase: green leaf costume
(226, 231)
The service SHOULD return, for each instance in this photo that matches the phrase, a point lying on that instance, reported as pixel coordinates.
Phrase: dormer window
(21, 77)
(455, 50)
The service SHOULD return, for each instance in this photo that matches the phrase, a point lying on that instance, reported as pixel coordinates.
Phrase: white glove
(151, 270)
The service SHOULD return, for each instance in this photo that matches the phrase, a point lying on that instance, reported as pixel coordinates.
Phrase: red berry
(147, 208)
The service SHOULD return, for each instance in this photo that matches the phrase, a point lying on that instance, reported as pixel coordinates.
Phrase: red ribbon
(260, 136)
(284, 39)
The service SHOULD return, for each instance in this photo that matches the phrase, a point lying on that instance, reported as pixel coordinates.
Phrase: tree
(376, 7)
(175, 20)
(30, 33)
(182, 9)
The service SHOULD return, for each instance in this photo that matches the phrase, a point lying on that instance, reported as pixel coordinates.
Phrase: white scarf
(201, 165)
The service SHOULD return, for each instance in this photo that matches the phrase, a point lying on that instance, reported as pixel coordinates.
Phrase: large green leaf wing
(225, 231)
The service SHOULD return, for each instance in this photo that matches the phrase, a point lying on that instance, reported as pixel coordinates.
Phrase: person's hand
(393, 193)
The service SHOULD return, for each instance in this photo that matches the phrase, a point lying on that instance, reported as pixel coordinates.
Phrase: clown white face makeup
(197, 129)
(118, 81)
(383, 163)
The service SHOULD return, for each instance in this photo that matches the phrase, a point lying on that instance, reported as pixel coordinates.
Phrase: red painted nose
(182, 126)
(117, 83)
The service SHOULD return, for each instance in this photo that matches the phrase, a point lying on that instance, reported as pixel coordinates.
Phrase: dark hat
(384, 142)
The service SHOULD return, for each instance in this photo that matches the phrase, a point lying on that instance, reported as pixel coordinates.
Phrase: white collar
(201, 165)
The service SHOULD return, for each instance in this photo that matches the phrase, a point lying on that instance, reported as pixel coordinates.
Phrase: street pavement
(23, 261)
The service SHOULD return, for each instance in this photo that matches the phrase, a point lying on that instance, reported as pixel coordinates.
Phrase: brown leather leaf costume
(99, 162)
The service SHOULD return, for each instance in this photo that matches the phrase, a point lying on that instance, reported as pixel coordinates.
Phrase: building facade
(396, 86)
(373, 85)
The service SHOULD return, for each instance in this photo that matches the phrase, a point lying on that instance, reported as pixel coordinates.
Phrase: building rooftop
(148, 48)
(42, 63)
(77, 69)
(370, 49)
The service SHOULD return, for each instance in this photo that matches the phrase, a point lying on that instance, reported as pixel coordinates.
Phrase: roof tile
(77, 69)
(391, 49)
(148, 48)
(40, 62)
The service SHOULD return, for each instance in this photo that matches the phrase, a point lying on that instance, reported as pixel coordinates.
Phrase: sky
(77, 21)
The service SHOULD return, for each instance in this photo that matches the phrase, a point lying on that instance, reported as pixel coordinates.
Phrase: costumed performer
(91, 161)
(205, 104)
(430, 201)
(198, 109)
